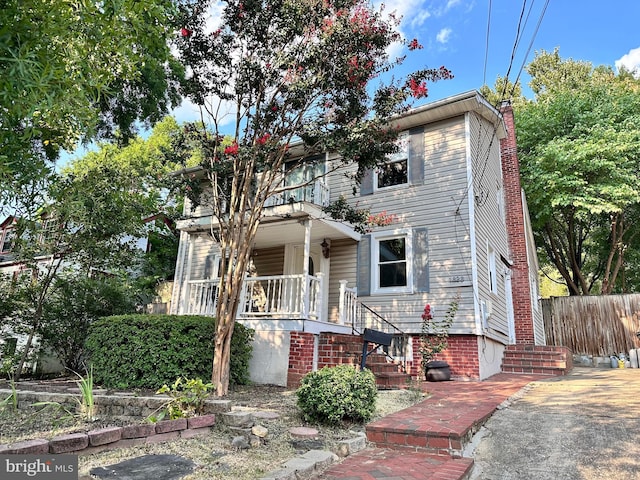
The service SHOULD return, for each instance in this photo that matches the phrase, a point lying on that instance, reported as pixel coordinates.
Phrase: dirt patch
(214, 455)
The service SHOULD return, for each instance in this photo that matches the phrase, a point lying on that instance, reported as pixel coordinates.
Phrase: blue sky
(454, 34)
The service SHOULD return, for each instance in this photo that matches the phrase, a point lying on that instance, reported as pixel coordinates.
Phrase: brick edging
(109, 438)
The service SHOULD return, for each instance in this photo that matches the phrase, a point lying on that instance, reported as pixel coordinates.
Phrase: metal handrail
(386, 326)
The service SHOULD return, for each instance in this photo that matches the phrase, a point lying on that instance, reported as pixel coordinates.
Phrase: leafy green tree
(74, 302)
(276, 72)
(503, 89)
(579, 147)
(78, 71)
(88, 219)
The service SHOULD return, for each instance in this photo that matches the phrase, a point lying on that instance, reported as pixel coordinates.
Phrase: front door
(316, 263)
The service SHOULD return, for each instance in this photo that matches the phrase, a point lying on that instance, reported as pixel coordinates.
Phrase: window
(493, 281)
(391, 261)
(9, 347)
(50, 228)
(308, 174)
(6, 239)
(396, 169)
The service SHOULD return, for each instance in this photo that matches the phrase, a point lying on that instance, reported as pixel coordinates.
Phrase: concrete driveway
(584, 426)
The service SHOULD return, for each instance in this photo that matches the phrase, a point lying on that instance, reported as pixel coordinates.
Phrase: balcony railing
(315, 192)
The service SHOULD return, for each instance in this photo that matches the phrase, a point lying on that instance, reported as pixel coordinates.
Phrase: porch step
(537, 360)
(392, 380)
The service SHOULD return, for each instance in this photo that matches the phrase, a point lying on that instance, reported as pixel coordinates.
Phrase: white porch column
(183, 308)
(178, 283)
(305, 269)
(342, 305)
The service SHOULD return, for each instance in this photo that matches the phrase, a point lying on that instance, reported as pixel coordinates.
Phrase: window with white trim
(493, 280)
(395, 170)
(391, 261)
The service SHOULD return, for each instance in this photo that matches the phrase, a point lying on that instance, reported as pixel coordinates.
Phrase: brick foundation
(300, 357)
(461, 355)
(338, 349)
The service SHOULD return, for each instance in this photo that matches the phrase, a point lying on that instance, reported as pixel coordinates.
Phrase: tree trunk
(222, 356)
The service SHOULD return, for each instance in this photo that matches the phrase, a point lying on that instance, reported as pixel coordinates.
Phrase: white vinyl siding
(438, 205)
(491, 243)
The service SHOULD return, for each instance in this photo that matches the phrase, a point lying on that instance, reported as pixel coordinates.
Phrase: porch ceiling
(288, 226)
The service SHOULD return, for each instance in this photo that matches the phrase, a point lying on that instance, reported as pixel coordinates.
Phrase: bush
(73, 304)
(145, 351)
(337, 394)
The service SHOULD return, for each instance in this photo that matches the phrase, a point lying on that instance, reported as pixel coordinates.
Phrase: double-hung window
(392, 262)
(395, 171)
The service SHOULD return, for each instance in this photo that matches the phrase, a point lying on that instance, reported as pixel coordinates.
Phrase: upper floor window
(305, 177)
(395, 170)
(50, 227)
(7, 237)
(391, 261)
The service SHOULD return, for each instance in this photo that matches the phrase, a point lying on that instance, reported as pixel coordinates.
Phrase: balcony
(316, 192)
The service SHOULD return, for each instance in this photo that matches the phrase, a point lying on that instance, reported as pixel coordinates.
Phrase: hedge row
(147, 351)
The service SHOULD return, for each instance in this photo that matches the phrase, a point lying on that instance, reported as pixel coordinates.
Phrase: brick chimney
(520, 284)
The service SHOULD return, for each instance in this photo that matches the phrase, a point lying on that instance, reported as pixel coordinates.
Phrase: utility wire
(486, 47)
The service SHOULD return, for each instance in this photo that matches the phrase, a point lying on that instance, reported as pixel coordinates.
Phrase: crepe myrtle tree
(283, 72)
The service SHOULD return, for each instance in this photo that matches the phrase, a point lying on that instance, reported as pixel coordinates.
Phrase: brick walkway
(426, 441)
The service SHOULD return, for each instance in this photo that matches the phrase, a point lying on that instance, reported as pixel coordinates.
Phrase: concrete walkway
(584, 426)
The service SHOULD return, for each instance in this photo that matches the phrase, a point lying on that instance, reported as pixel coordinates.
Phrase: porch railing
(315, 192)
(282, 296)
(277, 296)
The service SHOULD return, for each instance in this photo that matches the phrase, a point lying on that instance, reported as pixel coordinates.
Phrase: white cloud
(631, 61)
(444, 35)
(419, 19)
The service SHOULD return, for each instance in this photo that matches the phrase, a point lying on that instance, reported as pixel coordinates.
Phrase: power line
(486, 47)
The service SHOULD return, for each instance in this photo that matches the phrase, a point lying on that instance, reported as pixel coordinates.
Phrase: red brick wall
(300, 357)
(461, 355)
(333, 349)
(337, 349)
(523, 316)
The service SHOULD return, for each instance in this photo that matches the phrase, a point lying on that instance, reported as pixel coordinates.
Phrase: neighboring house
(459, 229)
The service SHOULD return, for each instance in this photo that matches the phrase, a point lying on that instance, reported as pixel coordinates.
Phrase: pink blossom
(263, 139)
(427, 313)
(185, 32)
(414, 45)
(231, 149)
(418, 90)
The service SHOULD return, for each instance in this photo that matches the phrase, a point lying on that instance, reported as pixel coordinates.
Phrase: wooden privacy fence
(593, 325)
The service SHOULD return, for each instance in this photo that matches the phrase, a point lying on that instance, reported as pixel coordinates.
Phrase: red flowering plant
(435, 332)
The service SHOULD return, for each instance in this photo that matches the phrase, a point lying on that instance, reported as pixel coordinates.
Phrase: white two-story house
(455, 228)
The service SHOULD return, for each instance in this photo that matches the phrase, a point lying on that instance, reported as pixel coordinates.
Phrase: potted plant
(433, 340)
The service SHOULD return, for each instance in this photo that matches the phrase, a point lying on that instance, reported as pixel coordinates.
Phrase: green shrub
(144, 351)
(187, 398)
(337, 394)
